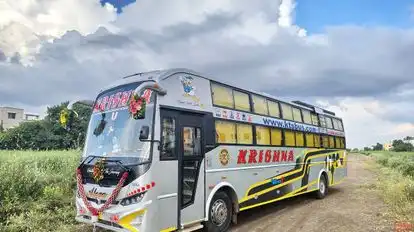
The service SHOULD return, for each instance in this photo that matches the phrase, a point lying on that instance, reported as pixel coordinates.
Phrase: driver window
(168, 138)
(192, 141)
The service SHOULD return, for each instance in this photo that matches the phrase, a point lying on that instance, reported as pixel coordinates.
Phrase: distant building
(387, 146)
(11, 117)
(31, 116)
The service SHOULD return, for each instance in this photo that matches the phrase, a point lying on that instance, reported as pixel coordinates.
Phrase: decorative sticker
(224, 157)
(273, 122)
(190, 91)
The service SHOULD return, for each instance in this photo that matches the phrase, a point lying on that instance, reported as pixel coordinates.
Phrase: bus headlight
(132, 200)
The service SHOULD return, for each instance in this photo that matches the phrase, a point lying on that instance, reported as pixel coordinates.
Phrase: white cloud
(356, 71)
(366, 123)
(25, 24)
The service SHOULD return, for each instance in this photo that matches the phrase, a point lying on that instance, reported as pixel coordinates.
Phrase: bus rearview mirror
(144, 133)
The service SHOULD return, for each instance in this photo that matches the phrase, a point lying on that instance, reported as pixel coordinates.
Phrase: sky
(352, 57)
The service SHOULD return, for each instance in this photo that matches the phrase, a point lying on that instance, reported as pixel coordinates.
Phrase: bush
(37, 191)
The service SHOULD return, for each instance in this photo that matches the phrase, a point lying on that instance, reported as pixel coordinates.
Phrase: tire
(322, 188)
(219, 208)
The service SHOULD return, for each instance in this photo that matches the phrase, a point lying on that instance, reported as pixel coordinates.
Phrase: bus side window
(168, 139)
(325, 141)
(337, 142)
(317, 140)
(315, 120)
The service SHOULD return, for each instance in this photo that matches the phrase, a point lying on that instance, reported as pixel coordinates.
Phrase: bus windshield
(114, 131)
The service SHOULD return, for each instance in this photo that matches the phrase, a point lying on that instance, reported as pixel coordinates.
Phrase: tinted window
(192, 141)
(168, 138)
(286, 111)
(225, 132)
(222, 96)
(273, 109)
(260, 105)
(296, 115)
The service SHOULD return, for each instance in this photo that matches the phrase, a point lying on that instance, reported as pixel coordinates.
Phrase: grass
(37, 191)
(396, 181)
(37, 188)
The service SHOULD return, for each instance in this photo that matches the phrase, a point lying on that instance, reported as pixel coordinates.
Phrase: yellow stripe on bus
(283, 175)
(280, 198)
(247, 197)
(169, 229)
(126, 221)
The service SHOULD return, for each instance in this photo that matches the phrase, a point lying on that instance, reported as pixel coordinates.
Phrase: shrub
(37, 191)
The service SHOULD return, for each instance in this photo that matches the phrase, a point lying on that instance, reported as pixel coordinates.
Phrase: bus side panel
(250, 177)
(266, 184)
(304, 178)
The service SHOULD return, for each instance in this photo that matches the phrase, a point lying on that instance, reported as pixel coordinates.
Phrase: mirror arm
(153, 86)
(88, 103)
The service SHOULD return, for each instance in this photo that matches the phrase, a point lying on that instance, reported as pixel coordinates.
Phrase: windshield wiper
(118, 162)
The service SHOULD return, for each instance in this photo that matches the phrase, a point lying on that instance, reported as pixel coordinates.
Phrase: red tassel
(125, 175)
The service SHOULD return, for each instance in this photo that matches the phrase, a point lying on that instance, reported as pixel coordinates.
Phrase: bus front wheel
(220, 213)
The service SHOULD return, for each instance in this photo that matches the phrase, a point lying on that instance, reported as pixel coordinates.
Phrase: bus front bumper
(115, 218)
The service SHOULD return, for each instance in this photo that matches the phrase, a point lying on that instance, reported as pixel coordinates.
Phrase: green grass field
(396, 181)
(399, 161)
(37, 191)
(37, 188)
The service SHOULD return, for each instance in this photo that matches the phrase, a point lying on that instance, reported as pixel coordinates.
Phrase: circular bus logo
(224, 157)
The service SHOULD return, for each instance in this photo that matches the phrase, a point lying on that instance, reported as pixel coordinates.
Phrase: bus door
(191, 194)
(188, 148)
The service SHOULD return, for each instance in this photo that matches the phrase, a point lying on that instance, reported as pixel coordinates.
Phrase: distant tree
(75, 138)
(48, 133)
(1, 126)
(399, 146)
(367, 149)
(355, 150)
(378, 147)
(28, 135)
(408, 138)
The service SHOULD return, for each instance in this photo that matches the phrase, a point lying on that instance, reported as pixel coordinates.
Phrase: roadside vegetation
(37, 191)
(395, 181)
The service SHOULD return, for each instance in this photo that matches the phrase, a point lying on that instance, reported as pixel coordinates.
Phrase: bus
(174, 150)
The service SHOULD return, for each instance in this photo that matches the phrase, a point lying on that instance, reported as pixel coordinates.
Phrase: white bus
(174, 150)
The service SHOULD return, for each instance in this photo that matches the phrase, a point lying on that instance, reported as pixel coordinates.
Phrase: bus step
(187, 192)
(192, 228)
(189, 179)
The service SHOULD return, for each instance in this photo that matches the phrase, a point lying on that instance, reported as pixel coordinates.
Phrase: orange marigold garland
(136, 106)
(98, 170)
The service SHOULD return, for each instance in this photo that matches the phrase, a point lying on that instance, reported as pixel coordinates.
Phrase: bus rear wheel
(322, 188)
(220, 213)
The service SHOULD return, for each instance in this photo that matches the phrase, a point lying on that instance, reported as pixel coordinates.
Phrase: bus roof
(159, 75)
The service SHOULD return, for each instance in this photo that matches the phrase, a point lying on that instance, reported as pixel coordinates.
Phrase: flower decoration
(98, 170)
(63, 117)
(136, 106)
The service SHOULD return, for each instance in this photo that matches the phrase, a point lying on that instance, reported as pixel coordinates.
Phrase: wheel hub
(219, 212)
(322, 187)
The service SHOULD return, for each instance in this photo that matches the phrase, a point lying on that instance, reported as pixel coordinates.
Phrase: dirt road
(349, 206)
